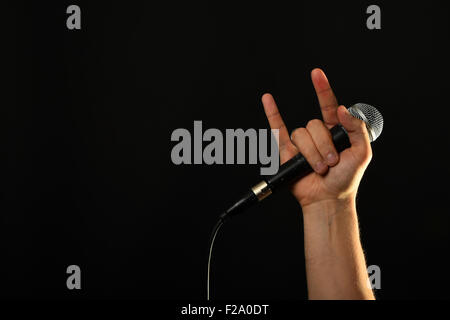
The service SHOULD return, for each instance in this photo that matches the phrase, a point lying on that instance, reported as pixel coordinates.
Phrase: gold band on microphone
(261, 190)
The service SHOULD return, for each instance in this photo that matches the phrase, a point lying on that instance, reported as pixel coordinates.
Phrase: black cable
(248, 200)
(211, 244)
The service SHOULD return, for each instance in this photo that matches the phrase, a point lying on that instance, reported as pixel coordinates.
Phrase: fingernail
(320, 166)
(331, 158)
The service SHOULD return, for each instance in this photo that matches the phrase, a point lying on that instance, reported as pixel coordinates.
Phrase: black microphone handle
(297, 167)
(293, 169)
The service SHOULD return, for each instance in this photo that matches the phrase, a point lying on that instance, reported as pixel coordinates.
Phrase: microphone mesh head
(371, 116)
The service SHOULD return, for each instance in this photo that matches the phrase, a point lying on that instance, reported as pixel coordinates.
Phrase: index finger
(275, 120)
(327, 100)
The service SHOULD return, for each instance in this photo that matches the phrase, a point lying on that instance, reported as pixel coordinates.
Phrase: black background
(86, 121)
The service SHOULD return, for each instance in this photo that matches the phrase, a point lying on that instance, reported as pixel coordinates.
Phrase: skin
(335, 264)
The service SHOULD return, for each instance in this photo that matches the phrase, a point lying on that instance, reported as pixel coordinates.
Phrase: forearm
(335, 264)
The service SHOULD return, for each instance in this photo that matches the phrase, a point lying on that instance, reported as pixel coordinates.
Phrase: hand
(336, 176)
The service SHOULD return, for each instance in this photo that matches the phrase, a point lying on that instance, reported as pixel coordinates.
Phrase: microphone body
(293, 169)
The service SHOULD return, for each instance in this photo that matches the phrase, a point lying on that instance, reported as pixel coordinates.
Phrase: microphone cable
(214, 232)
(250, 198)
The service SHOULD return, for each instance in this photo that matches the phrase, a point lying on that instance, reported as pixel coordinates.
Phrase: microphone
(297, 167)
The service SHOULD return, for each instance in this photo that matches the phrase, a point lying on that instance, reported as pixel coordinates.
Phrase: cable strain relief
(240, 206)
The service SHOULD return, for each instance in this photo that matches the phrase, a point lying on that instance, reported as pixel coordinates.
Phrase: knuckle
(369, 154)
(366, 154)
(297, 133)
(361, 125)
(314, 123)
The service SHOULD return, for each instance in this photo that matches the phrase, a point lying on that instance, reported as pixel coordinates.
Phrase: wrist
(331, 230)
(330, 206)
(331, 216)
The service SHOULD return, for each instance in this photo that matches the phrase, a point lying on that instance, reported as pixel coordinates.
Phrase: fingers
(323, 140)
(327, 100)
(305, 144)
(357, 133)
(275, 120)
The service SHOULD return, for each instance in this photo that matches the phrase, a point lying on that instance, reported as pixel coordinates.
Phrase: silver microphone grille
(371, 116)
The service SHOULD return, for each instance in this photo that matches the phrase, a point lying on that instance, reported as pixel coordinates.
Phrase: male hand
(336, 176)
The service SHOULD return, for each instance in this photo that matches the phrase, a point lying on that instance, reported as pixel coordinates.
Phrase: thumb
(356, 129)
